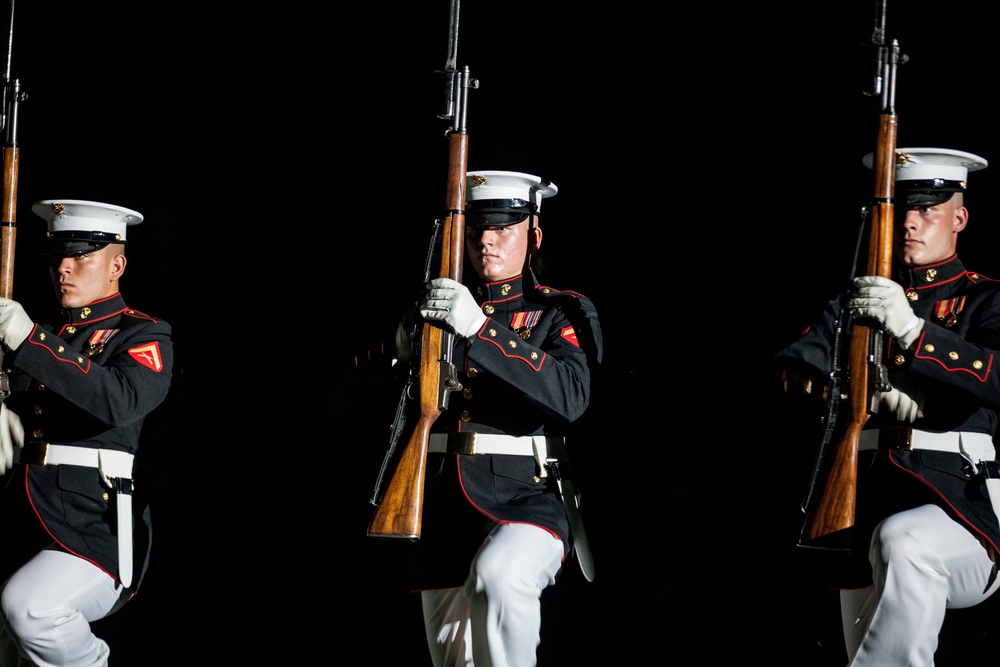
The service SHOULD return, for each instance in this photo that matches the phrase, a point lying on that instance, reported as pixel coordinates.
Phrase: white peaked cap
(76, 225)
(928, 176)
(509, 185)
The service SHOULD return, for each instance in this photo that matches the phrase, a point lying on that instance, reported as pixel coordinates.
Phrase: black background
(290, 163)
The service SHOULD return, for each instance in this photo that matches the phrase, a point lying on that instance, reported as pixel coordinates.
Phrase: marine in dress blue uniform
(926, 529)
(80, 391)
(495, 527)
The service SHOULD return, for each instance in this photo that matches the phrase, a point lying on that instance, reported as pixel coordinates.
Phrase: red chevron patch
(569, 334)
(148, 355)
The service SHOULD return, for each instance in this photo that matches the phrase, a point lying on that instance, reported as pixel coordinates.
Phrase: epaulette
(977, 278)
(546, 291)
(138, 314)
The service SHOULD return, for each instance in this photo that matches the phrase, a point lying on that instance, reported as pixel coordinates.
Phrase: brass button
(977, 364)
(38, 433)
(912, 295)
(953, 355)
(472, 372)
(60, 349)
(71, 329)
(41, 336)
(929, 347)
(899, 360)
(467, 393)
(38, 409)
(466, 416)
(488, 309)
(536, 479)
(492, 333)
(104, 496)
(512, 344)
(534, 355)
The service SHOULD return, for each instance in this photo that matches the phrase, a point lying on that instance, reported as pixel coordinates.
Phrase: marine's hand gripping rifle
(400, 511)
(828, 523)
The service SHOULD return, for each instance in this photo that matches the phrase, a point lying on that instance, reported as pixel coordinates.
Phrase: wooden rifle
(12, 97)
(400, 510)
(829, 521)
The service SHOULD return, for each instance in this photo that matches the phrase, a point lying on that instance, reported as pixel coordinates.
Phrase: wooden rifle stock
(400, 511)
(834, 512)
(12, 96)
(8, 226)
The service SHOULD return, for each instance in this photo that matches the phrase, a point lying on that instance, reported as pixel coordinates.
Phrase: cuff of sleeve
(477, 325)
(909, 335)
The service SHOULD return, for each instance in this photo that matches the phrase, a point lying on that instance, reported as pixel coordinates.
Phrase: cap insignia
(58, 209)
(478, 180)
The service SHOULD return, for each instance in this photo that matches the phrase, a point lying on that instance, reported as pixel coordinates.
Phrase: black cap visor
(62, 244)
(933, 198)
(497, 212)
(929, 192)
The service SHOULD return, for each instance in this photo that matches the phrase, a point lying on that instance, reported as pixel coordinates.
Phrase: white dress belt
(979, 445)
(112, 465)
(481, 443)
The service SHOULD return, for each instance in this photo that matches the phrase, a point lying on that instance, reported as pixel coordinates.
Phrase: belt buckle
(35, 451)
(462, 443)
(896, 437)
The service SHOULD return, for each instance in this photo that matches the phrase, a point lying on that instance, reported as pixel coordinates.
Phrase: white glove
(907, 408)
(884, 300)
(11, 436)
(450, 305)
(15, 325)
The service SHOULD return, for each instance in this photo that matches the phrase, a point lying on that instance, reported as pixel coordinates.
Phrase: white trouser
(48, 605)
(923, 563)
(495, 619)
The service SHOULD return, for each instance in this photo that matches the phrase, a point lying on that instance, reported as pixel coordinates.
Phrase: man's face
(928, 234)
(82, 279)
(498, 253)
